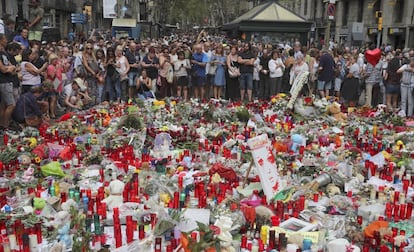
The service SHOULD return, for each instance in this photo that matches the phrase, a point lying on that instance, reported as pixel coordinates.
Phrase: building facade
(354, 21)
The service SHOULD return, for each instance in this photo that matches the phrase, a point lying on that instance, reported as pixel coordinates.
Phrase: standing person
(210, 69)
(122, 66)
(112, 86)
(289, 63)
(276, 68)
(233, 87)
(392, 81)
(199, 60)
(313, 66)
(151, 63)
(219, 60)
(326, 74)
(54, 75)
(22, 38)
(264, 75)
(134, 61)
(92, 69)
(350, 89)
(372, 81)
(181, 67)
(100, 81)
(30, 73)
(299, 67)
(165, 68)
(246, 61)
(407, 86)
(35, 25)
(13, 49)
(7, 73)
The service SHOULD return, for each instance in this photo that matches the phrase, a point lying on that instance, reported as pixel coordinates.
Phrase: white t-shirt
(1, 26)
(68, 91)
(179, 70)
(276, 71)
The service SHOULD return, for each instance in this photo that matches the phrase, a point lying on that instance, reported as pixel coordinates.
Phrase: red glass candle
(141, 232)
(158, 245)
(129, 229)
(359, 219)
(315, 197)
(396, 197)
(409, 211)
(402, 211)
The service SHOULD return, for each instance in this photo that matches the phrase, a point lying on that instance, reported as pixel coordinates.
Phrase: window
(399, 11)
(360, 10)
(3, 6)
(345, 13)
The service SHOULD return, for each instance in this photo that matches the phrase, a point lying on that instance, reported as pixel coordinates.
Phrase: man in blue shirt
(199, 61)
(23, 38)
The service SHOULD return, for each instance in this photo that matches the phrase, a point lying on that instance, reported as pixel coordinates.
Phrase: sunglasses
(89, 48)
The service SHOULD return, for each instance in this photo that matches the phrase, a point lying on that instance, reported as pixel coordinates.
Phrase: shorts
(246, 81)
(6, 93)
(392, 89)
(324, 85)
(199, 81)
(182, 81)
(131, 78)
(35, 35)
(338, 84)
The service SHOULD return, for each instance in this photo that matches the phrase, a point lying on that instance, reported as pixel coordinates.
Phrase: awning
(124, 22)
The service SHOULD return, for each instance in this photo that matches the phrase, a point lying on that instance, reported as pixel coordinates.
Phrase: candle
(141, 232)
(129, 229)
(409, 211)
(158, 244)
(316, 197)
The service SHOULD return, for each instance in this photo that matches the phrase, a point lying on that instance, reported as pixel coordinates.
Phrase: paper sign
(265, 164)
(192, 216)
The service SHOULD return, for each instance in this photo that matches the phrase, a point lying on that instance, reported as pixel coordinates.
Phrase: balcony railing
(65, 5)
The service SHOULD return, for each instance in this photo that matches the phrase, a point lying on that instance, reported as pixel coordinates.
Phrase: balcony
(64, 5)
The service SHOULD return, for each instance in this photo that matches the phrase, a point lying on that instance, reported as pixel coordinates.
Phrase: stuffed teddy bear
(334, 110)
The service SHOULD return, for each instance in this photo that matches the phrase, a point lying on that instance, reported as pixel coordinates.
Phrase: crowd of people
(40, 80)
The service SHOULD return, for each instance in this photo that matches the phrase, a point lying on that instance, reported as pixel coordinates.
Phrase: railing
(65, 5)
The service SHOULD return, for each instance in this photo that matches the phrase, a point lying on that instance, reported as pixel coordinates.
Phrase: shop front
(396, 37)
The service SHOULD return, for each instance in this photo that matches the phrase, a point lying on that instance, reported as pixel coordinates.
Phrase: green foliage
(8, 154)
(81, 237)
(243, 114)
(132, 121)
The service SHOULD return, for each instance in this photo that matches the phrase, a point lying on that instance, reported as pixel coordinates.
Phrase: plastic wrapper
(52, 169)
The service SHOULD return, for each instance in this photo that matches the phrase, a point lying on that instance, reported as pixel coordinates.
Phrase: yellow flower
(37, 160)
(274, 100)
(173, 103)
(33, 142)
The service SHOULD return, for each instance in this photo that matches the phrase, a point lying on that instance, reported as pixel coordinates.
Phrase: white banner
(264, 161)
(109, 9)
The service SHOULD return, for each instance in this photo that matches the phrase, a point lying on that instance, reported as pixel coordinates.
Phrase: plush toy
(334, 110)
(297, 141)
(115, 198)
(28, 174)
(62, 222)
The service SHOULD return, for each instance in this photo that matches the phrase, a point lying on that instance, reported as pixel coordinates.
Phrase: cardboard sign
(264, 160)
